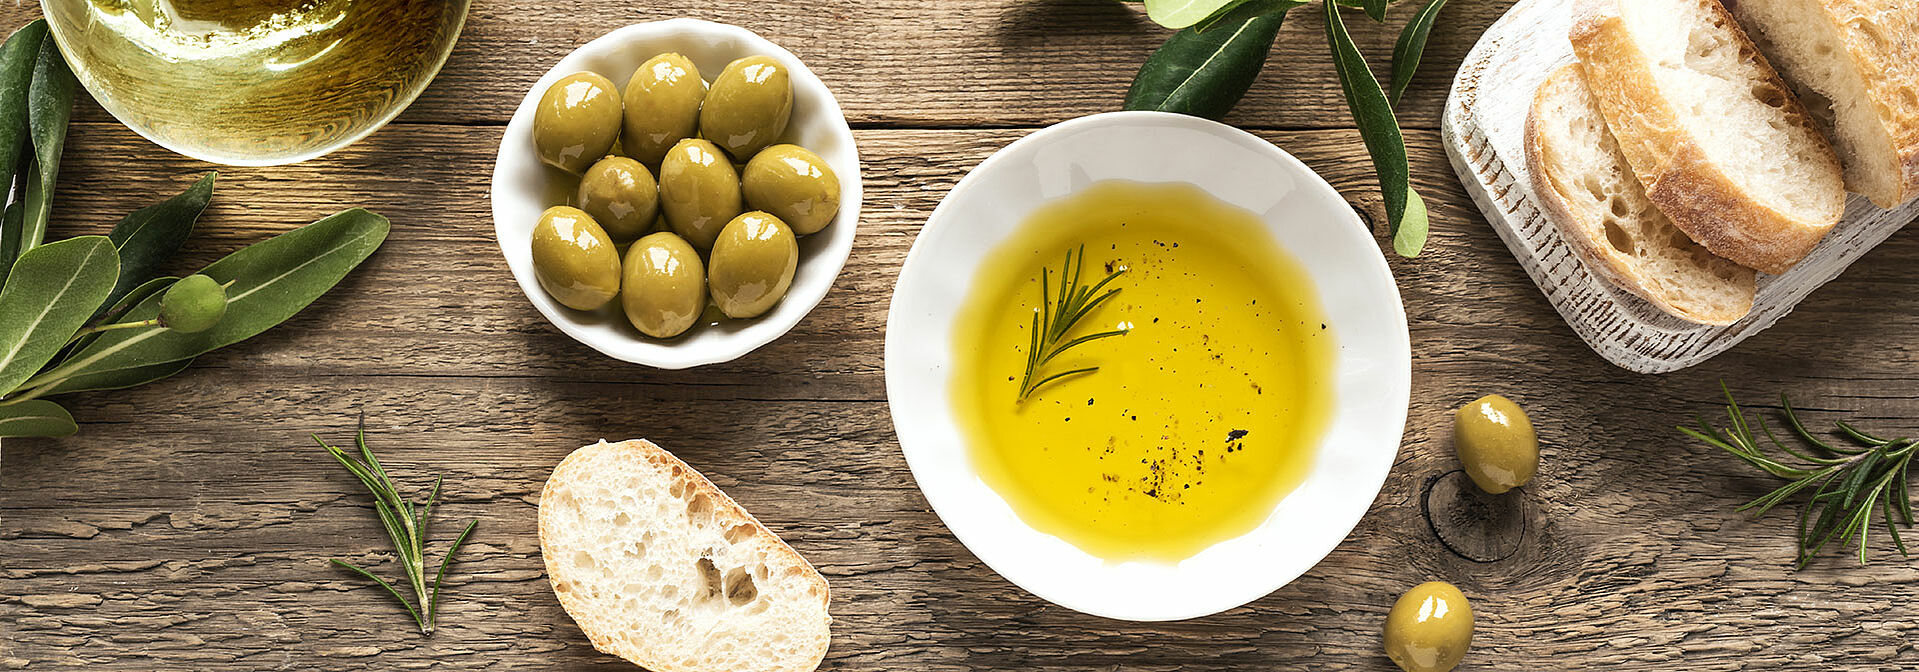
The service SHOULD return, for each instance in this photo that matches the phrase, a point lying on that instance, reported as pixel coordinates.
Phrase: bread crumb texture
(659, 567)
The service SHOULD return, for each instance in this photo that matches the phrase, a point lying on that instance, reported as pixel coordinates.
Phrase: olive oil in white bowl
(990, 500)
(255, 82)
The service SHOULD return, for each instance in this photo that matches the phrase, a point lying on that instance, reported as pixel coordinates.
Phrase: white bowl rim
(739, 337)
(1370, 484)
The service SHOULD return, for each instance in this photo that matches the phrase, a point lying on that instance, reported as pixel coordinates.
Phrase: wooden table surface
(187, 526)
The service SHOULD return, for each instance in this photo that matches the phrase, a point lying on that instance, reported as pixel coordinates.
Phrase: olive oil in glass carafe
(255, 82)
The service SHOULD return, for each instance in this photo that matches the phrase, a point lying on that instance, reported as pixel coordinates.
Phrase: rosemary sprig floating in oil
(406, 526)
(1853, 487)
(1056, 317)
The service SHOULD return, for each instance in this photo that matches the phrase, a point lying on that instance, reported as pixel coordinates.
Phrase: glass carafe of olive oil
(255, 82)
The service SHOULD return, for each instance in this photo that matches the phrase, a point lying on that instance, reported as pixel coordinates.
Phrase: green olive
(753, 264)
(577, 121)
(662, 106)
(794, 185)
(574, 260)
(1430, 628)
(1496, 443)
(699, 191)
(193, 304)
(620, 194)
(748, 107)
(664, 286)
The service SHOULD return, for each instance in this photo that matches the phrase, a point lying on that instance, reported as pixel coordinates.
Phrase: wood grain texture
(187, 526)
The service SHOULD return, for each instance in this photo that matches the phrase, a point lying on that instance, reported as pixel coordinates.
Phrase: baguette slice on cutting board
(1858, 63)
(1721, 145)
(1600, 208)
(659, 567)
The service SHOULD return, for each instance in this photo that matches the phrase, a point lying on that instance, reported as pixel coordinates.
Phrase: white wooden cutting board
(1483, 129)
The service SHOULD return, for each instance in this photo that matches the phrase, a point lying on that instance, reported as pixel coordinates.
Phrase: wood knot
(1471, 524)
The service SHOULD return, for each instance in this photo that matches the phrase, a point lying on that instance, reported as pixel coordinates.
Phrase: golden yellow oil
(1199, 420)
(255, 81)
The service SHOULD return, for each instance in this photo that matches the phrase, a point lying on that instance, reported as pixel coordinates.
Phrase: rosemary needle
(1847, 484)
(1056, 317)
(407, 528)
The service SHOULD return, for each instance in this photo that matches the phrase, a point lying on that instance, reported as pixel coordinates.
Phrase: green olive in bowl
(748, 107)
(1429, 628)
(577, 121)
(699, 191)
(753, 264)
(663, 288)
(1496, 443)
(662, 106)
(621, 195)
(574, 260)
(793, 184)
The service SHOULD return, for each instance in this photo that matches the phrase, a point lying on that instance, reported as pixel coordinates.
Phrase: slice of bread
(1602, 211)
(1715, 136)
(1856, 65)
(659, 567)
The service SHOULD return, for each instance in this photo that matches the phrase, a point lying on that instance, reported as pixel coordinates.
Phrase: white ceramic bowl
(521, 185)
(1306, 217)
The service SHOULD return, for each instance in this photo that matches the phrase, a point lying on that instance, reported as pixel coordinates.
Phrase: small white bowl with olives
(676, 193)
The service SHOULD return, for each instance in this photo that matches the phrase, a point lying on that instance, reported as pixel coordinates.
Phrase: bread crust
(574, 468)
(1546, 183)
(1679, 176)
(1882, 41)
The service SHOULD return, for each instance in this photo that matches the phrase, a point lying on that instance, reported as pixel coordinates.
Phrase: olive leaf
(49, 296)
(35, 417)
(11, 225)
(17, 57)
(1377, 125)
(1374, 8)
(267, 283)
(119, 307)
(1177, 14)
(49, 107)
(1411, 45)
(134, 296)
(1204, 73)
(1411, 236)
(119, 378)
(148, 237)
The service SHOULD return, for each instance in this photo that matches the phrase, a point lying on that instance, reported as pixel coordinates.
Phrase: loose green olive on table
(577, 121)
(1496, 443)
(1429, 628)
(794, 185)
(662, 106)
(699, 191)
(622, 196)
(574, 260)
(699, 255)
(753, 264)
(748, 107)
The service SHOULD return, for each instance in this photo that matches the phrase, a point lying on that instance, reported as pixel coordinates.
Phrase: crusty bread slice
(1602, 211)
(659, 567)
(1856, 64)
(1721, 145)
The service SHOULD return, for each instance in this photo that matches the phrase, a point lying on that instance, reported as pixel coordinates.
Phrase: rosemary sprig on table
(1056, 317)
(406, 526)
(1848, 484)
